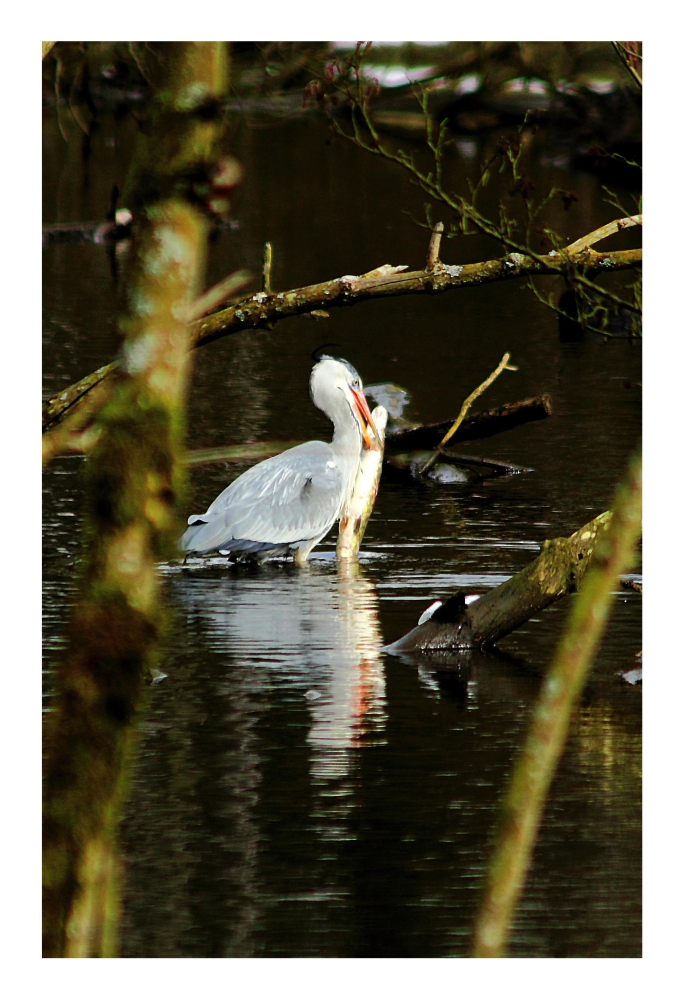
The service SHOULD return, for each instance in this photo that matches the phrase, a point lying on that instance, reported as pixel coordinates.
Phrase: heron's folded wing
(285, 499)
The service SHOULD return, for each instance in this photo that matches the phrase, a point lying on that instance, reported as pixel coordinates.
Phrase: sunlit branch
(466, 406)
(262, 309)
(601, 234)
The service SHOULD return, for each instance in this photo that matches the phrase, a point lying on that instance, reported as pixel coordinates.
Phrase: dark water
(298, 792)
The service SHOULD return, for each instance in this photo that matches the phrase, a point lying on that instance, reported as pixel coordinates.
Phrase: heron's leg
(301, 554)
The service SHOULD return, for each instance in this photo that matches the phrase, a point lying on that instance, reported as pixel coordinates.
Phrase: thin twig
(600, 234)
(217, 295)
(584, 321)
(466, 406)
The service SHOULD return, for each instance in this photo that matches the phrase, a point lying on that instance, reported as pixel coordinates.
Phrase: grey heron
(288, 503)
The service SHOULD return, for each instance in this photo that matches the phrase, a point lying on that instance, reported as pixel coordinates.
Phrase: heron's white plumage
(292, 500)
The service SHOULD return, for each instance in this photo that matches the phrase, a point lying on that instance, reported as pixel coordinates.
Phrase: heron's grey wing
(285, 499)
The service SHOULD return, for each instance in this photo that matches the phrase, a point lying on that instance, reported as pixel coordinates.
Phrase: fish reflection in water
(315, 631)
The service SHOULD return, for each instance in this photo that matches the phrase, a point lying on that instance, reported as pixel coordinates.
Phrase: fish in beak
(366, 420)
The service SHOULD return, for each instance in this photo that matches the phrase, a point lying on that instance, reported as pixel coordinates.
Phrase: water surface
(298, 791)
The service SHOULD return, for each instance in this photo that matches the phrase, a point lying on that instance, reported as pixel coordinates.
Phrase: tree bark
(133, 477)
(525, 797)
(557, 571)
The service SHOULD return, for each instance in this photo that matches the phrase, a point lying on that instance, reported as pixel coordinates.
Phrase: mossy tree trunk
(524, 799)
(558, 570)
(132, 482)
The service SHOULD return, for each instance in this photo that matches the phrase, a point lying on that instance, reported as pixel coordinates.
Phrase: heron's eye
(355, 384)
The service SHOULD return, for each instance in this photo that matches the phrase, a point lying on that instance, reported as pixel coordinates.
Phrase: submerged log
(467, 468)
(557, 571)
(356, 516)
(422, 437)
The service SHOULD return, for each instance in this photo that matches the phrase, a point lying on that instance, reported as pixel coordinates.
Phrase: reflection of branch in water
(466, 675)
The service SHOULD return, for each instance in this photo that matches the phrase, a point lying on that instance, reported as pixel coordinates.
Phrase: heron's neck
(347, 444)
(346, 436)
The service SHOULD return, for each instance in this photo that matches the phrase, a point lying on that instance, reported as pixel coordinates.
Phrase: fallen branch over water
(557, 571)
(389, 280)
(264, 308)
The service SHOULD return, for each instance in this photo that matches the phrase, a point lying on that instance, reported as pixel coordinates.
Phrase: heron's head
(335, 385)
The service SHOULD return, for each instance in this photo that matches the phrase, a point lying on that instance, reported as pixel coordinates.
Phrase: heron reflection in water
(314, 636)
(288, 503)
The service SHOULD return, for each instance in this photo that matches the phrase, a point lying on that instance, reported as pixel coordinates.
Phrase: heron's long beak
(367, 419)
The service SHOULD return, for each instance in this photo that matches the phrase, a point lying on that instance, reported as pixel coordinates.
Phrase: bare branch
(466, 211)
(254, 311)
(600, 234)
(217, 295)
(260, 309)
(55, 408)
(75, 433)
(466, 406)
